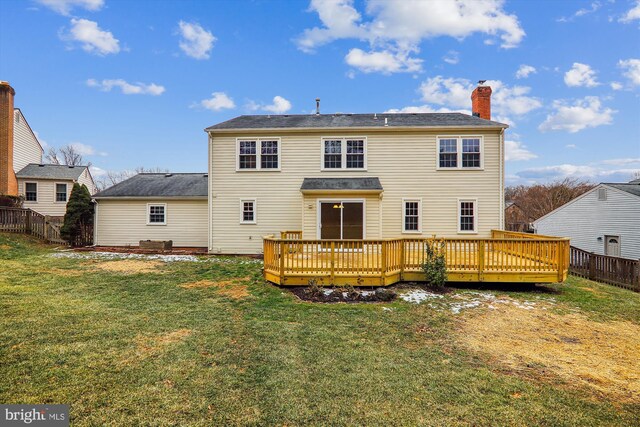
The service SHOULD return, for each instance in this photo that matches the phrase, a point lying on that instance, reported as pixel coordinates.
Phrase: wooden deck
(505, 257)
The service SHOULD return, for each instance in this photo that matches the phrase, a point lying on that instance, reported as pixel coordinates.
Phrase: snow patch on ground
(416, 296)
(164, 258)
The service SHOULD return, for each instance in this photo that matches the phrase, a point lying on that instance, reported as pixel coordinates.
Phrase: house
(355, 176)
(516, 219)
(154, 206)
(45, 188)
(604, 220)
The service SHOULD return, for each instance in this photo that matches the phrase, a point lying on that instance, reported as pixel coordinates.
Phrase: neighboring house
(516, 219)
(46, 188)
(604, 220)
(355, 176)
(26, 147)
(153, 206)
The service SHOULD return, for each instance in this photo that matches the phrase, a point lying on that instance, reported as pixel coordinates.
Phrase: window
(31, 192)
(61, 192)
(411, 215)
(467, 221)
(460, 153)
(344, 153)
(157, 214)
(258, 154)
(248, 211)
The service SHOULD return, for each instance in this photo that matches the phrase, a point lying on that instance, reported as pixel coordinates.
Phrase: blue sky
(134, 83)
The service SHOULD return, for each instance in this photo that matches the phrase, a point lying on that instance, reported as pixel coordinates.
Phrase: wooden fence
(27, 221)
(516, 258)
(621, 272)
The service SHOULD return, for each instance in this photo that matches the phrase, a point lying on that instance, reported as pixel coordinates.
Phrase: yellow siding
(25, 146)
(405, 162)
(46, 204)
(124, 222)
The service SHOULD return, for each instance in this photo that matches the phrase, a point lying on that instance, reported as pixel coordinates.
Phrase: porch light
(338, 206)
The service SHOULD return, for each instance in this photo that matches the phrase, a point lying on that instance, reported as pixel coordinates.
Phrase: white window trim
(419, 201)
(25, 192)
(55, 192)
(343, 152)
(149, 213)
(259, 154)
(475, 215)
(459, 139)
(255, 210)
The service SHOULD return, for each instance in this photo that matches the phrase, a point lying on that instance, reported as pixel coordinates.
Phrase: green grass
(92, 340)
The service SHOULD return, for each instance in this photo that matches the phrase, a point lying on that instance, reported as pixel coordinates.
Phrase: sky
(134, 83)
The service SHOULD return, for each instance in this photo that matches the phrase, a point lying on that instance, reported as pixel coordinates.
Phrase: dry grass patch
(130, 266)
(602, 356)
(155, 344)
(64, 272)
(5, 247)
(230, 288)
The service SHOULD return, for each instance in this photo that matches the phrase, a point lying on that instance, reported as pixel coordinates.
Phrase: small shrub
(435, 264)
(11, 201)
(314, 289)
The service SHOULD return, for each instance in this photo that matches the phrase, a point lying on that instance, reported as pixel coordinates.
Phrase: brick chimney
(8, 181)
(481, 101)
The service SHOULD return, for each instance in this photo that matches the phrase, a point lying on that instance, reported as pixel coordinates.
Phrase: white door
(612, 245)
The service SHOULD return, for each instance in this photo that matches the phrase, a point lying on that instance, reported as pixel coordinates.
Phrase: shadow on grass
(505, 287)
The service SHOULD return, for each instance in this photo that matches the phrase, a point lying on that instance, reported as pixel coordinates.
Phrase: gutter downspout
(209, 192)
(501, 225)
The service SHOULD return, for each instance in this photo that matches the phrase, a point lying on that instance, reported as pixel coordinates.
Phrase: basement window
(31, 192)
(156, 214)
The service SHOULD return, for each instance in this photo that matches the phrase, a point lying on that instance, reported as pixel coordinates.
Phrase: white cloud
(195, 41)
(91, 37)
(584, 113)
(456, 93)
(279, 105)
(572, 146)
(97, 172)
(524, 71)
(385, 62)
(580, 75)
(452, 57)
(632, 14)
(616, 85)
(127, 88)
(622, 162)
(219, 101)
(632, 70)
(399, 27)
(590, 172)
(86, 150)
(515, 151)
(426, 109)
(42, 142)
(64, 7)
(581, 12)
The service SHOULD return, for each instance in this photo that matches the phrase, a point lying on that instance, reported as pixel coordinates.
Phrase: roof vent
(167, 175)
(375, 116)
(71, 166)
(386, 121)
(317, 106)
(206, 175)
(41, 165)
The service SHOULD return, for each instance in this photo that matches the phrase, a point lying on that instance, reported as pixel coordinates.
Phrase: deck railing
(517, 258)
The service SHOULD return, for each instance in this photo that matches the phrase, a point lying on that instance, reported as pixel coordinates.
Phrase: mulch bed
(333, 295)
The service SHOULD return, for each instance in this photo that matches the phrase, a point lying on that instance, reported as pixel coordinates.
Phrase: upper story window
(31, 192)
(157, 214)
(255, 154)
(460, 153)
(61, 192)
(344, 153)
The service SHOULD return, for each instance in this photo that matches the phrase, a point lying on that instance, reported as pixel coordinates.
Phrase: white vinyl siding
(588, 219)
(401, 160)
(124, 222)
(46, 203)
(26, 148)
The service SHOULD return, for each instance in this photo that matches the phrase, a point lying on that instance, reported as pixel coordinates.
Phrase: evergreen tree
(79, 214)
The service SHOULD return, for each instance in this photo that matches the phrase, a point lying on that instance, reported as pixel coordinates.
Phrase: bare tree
(66, 155)
(111, 178)
(538, 200)
(52, 156)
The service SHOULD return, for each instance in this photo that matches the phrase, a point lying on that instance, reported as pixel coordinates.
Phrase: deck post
(282, 256)
(480, 260)
(560, 261)
(28, 222)
(333, 262)
(383, 247)
(402, 261)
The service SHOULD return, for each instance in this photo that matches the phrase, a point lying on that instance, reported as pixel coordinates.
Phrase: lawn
(142, 341)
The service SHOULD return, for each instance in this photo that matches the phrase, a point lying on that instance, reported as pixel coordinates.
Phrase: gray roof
(341, 184)
(632, 187)
(40, 171)
(159, 185)
(355, 121)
